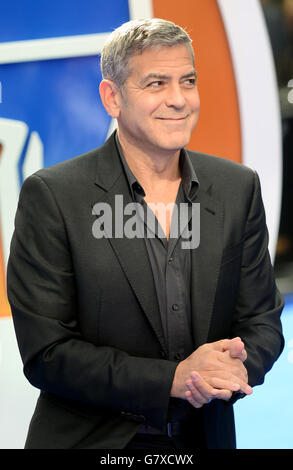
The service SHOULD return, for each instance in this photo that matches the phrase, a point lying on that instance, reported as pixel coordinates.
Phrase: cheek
(151, 104)
(195, 103)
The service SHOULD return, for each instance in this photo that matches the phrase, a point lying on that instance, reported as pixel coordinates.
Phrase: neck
(150, 168)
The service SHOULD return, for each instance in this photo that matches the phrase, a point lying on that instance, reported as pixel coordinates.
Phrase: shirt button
(175, 307)
(170, 260)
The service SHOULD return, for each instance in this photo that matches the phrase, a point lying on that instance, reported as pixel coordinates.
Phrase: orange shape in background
(4, 305)
(218, 130)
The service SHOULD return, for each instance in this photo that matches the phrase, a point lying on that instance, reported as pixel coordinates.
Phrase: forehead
(171, 60)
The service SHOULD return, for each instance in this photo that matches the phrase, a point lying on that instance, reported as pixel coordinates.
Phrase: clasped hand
(214, 370)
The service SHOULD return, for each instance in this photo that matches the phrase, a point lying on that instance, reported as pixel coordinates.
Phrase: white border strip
(139, 9)
(52, 48)
(258, 101)
(66, 46)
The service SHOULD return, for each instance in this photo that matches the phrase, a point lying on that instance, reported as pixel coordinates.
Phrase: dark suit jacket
(86, 313)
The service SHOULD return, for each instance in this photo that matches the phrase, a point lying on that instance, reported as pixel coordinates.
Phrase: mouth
(175, 119)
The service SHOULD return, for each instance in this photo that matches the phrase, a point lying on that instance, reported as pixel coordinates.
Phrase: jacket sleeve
(42, 295)
(259, 303)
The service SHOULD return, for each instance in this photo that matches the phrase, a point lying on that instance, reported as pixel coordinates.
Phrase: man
(143, 341)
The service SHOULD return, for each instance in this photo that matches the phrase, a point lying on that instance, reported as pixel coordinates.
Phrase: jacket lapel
(205, 262)
(131, 253)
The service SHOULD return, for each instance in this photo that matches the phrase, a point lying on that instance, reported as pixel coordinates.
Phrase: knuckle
(214, 393)
(226, 395)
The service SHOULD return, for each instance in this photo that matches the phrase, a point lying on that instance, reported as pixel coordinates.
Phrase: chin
(177, 144)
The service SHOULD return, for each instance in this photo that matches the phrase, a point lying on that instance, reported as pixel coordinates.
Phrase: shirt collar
(189, 179)
(134, 185)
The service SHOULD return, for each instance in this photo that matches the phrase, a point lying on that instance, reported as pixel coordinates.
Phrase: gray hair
(134, 37)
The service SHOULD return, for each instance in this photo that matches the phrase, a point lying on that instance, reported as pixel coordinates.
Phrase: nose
(175, 96)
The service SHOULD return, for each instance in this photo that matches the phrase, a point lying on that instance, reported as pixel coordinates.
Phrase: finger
(220, 345)
(224, 395)
(235, 384)
(196, 398)
(224, 379)
(224, 344)
(233, 365)
(193, 395)
(199, 391)
(202, 387)
(190, 398)
(230, 384)
(234, 345)
(237, 349)
(242, 355)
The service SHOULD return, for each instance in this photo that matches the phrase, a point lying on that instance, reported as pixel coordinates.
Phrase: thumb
(237, 349)
(221, 345)
(235, 346)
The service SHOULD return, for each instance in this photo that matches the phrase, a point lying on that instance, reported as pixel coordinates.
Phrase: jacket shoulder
(79, 170)
(74, 168)
(222, 173)
(210, 164)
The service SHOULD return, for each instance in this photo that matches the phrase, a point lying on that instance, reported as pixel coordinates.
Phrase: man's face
(159, 102)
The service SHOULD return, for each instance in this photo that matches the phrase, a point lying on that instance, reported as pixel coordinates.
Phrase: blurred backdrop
(279, 20)
(50, 111)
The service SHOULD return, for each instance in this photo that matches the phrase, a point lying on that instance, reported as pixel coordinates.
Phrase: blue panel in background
(60, 100)
(57, 98)
(264, 420)
(31, 19)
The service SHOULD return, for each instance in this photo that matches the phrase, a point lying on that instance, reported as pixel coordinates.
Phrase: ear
(111, 97)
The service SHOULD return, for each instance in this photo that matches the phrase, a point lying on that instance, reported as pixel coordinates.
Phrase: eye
(155, 84)
(190, 81)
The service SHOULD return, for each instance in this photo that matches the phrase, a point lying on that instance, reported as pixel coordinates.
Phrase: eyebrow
(159, 76)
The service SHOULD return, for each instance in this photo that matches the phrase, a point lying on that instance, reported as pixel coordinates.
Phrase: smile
(172, 119)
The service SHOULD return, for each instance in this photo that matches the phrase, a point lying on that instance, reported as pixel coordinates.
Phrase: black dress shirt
(171, 267)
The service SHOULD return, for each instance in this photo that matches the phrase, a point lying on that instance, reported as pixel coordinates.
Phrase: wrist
(177, 384)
